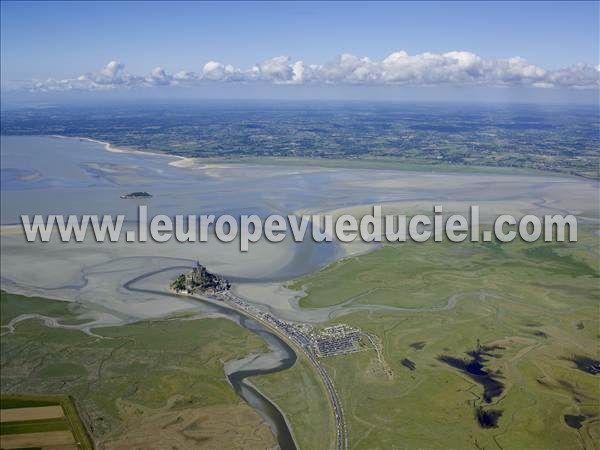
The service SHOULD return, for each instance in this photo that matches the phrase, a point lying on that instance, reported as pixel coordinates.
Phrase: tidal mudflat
(80, 177)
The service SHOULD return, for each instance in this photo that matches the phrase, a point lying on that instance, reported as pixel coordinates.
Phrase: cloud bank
(458, 68)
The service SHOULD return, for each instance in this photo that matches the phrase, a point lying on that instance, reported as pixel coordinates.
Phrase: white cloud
(185, 76)
(399, 68)
(112, 70)
(214, 71)
(276, 70)
(579, 76)
(159, 77)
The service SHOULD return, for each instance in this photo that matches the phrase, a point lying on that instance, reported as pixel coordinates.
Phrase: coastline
(182, 161)
(332, 164)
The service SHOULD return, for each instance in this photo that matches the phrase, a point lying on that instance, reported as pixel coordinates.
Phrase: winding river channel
(280, 357)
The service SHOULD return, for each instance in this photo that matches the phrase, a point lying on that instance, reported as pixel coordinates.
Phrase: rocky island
(200, 281)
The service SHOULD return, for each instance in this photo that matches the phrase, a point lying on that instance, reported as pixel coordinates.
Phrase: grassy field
(425, 275)
(33, 426)
(508, 367)
(12, 306)
(382, 163)
(165, 374)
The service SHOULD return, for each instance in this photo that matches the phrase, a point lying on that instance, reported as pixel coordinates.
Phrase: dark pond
(475, 369)
(586, 364)
(408, 364)
(574, 421)
(489, 418)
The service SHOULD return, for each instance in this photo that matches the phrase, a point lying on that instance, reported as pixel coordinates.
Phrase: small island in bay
(141, 194)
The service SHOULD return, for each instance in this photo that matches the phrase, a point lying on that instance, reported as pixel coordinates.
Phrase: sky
(312, 49)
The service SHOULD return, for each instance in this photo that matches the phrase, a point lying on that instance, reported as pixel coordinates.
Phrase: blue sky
(63, 40)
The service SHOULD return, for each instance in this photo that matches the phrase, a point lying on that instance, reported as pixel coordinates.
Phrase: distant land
(551, 138)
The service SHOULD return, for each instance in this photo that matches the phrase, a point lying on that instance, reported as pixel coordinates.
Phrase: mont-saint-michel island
(218, 232)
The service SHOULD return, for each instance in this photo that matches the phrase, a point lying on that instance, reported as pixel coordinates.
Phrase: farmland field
(28, 421)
